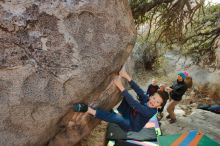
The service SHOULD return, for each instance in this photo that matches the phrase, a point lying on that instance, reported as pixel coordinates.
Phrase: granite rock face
(55, 53)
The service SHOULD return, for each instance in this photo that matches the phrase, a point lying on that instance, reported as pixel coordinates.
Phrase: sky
(214, 1)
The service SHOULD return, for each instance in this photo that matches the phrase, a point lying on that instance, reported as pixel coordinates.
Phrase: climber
(178, 88)
(133, 114)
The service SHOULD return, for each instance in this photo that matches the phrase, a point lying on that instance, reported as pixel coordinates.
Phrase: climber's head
(156, 100)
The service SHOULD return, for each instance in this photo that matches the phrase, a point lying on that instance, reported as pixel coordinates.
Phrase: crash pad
(213, 108)
(154, 123)
(191, 138)
(114, 132)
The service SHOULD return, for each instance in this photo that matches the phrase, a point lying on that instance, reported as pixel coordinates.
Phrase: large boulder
(55, 53)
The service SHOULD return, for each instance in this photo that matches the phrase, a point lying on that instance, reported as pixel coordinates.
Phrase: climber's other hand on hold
(125, 75)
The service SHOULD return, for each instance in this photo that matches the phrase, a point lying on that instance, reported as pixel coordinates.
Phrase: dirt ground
(96, 137)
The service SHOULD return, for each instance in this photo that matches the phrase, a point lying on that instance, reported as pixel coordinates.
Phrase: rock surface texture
(55, 53)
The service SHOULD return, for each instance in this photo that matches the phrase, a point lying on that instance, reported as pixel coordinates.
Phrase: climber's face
(155, 101)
